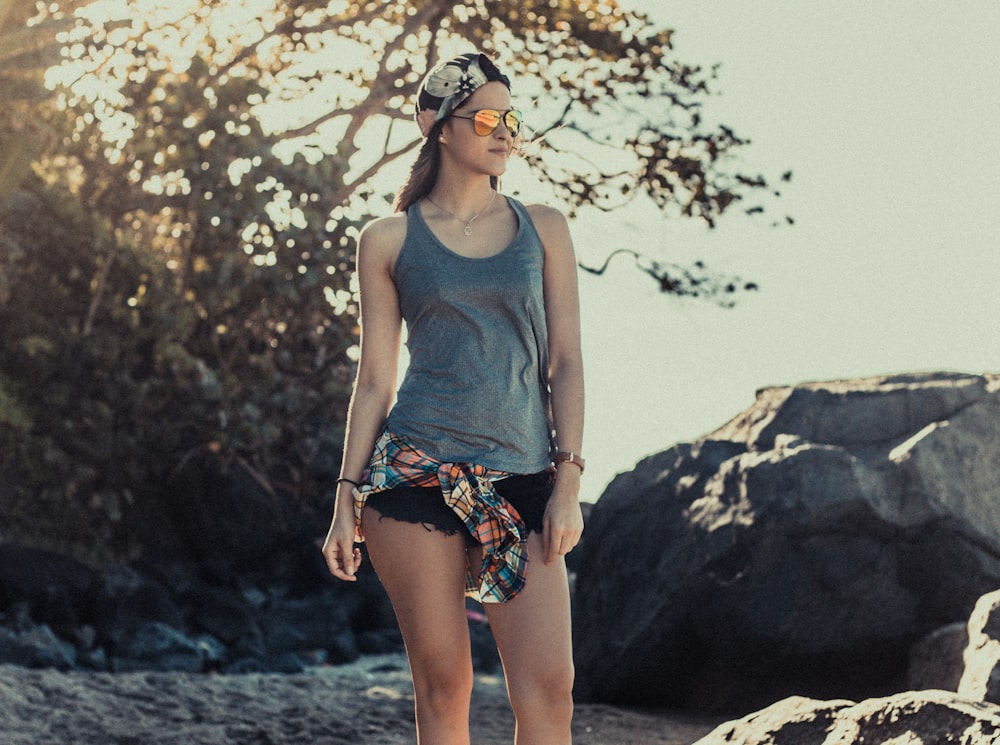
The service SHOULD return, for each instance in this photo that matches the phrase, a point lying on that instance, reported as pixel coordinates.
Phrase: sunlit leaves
(221, 156)
(283, 113)
(27, 48)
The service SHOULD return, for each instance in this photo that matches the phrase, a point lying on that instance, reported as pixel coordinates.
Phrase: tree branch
(341, 195)
(382, 85)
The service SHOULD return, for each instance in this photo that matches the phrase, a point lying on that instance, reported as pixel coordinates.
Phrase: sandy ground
(368, 702)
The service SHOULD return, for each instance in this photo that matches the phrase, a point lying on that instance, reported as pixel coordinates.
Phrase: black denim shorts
(528, 494)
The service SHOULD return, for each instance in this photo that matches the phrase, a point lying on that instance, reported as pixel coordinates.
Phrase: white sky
(888, 113)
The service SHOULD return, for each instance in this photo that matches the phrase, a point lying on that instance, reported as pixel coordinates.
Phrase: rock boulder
(915, 717)
(981, 675)
(937, 661)
(802, 548)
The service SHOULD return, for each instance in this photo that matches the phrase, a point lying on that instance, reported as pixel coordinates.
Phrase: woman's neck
(466, 200)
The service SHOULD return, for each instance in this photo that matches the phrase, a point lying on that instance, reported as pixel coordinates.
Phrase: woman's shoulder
(548, 221)
(543, 210)
(384, 236)
(385, 229)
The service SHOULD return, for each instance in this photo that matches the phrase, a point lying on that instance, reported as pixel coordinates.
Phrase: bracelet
(565, 456)
(352, 482)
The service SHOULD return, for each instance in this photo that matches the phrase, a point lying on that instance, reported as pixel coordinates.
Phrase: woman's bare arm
(564, 521)
(375, 384)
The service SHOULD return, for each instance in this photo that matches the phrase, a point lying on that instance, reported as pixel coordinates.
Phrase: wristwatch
(566, 456)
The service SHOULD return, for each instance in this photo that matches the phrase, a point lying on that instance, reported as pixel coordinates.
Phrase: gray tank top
(476, 389)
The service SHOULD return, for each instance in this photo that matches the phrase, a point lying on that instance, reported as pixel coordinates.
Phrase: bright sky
(888, 114)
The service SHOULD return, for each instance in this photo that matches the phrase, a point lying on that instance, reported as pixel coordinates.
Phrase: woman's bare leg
(424, 574)
(534, 636)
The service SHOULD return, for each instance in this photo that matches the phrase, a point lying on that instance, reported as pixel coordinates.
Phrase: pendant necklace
(468, 223)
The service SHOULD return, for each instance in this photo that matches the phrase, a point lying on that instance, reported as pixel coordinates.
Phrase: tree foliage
(201, 170)
(25, 53)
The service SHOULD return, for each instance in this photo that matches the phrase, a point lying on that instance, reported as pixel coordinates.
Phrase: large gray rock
(802, 548)
(35, 646)
(981, 675)
(962, 657)
(913, 718)
(156, 646)
(937, 661)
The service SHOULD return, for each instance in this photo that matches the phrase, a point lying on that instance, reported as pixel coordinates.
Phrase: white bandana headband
(450, 84)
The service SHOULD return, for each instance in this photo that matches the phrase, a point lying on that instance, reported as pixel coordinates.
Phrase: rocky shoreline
(365, 702)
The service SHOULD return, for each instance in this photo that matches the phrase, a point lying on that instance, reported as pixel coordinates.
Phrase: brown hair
(424, 171)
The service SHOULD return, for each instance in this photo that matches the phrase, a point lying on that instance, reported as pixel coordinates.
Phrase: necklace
(468, 223)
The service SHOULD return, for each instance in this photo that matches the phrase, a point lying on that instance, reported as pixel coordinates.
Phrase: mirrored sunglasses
(486, 121)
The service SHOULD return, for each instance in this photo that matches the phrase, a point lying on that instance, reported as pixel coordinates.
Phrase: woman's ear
(425, 120)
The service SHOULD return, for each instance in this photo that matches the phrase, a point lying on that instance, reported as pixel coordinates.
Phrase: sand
(369, 701)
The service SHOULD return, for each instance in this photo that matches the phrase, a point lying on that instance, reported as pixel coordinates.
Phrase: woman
(459, 487)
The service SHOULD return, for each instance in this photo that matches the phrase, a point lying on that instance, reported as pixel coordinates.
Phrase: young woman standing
(468, 483)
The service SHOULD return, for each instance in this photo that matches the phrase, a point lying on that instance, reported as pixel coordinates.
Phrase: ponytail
(424, 171)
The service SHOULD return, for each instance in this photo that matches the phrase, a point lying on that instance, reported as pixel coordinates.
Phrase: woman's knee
(548, 691)
(442, 681)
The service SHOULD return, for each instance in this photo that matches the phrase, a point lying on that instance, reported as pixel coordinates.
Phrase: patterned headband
(450, 84)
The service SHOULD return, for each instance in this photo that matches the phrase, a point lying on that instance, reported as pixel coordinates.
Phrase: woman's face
(487, 154)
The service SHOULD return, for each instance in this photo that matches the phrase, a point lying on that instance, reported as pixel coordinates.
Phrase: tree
(615, 114)
(26, 51)
(223, 156)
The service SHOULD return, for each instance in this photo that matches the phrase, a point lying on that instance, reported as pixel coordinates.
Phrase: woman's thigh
(423, 572)
(533, 630)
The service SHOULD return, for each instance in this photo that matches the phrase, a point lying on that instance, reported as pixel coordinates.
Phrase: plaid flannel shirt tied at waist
(468, 490)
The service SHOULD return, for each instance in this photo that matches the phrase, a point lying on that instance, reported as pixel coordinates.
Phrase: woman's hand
(342, 557)
(562, 525)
